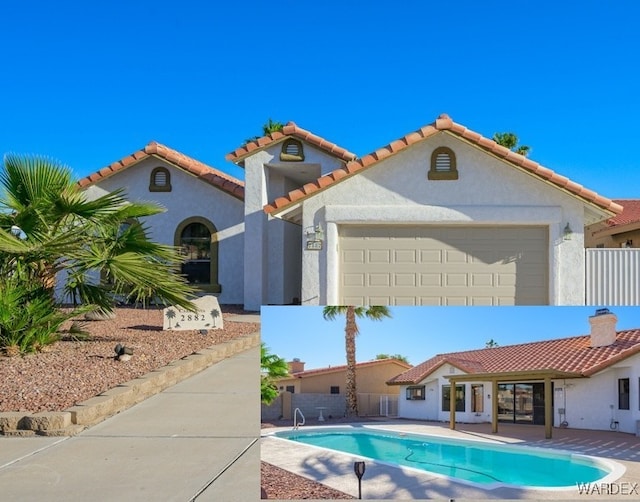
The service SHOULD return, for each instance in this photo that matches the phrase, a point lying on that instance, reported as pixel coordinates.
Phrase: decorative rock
(208, 316)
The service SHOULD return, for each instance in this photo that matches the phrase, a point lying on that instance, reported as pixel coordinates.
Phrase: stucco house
(371, 378)
(441, 216)
(324, 389)
(204, 217)
(621, 231)
(584, 382)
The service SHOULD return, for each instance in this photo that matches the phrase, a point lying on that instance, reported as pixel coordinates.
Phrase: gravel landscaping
(69, 372)
(284, 485)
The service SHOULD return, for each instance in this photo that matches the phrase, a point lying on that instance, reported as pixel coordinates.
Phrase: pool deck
(384, 482)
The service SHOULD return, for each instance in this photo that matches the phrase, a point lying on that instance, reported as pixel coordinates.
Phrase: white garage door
(410, 265)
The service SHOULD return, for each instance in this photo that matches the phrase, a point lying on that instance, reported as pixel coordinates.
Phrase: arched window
(197, 239)
(160, 180)
(443, 164)
(292, 151)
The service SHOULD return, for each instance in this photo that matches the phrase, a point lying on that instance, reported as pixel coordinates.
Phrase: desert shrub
(29, 318)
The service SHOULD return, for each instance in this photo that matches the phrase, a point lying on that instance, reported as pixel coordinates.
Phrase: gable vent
(443, 162)
(292, 151)
(160, 178)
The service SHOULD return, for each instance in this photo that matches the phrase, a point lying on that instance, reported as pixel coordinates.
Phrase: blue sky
(89, 83)
(419, 333)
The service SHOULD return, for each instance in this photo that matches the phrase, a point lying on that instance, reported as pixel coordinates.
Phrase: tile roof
(204, 172)
(289, 130)
(570, 355)
(442, 123)
(332, 369)
(630, 212)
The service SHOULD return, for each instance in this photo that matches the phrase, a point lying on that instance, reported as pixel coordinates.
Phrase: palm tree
(398, 357)
(510, 141)
(48, 225)
(351, 330)
(272, 126)
(272, 367)
(268, 127)
(490, 344)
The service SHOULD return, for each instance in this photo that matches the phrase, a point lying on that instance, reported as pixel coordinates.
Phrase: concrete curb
(96, 409)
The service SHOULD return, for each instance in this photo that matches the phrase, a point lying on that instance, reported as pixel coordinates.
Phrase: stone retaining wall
(94, 410)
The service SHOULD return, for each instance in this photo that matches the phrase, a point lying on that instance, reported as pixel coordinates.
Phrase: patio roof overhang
(544, 375)
(514, 376)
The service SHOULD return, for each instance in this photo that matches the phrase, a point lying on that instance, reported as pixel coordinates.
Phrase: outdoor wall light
(314, 237)
(567, 232)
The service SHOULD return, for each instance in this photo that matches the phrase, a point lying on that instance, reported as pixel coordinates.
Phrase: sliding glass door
(521, 403)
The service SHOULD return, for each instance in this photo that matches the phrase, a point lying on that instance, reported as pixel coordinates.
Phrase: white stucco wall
(272, 255)
(488, 192)
(589, 403)
(592, 403)
(189, 197)
(431, 407)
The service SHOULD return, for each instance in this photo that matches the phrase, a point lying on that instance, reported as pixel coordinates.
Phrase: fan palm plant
(49, 225)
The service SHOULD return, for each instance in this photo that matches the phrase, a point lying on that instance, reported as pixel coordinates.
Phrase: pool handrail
(295, 418)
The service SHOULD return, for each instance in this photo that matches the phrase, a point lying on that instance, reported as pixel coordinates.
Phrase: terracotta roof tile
(332, 369)
(574, 355)
(630, 212)
(289, 130)
(444, 123)
(206, 173)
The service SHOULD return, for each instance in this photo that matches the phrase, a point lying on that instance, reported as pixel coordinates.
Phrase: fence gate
(377, 405)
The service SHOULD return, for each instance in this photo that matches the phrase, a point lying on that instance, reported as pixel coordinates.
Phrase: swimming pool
(485, 464)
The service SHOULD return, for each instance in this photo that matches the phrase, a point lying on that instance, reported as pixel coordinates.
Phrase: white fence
(612, 276)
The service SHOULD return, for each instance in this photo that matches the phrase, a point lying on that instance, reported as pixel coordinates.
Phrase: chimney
(295, 366)
(603, 328)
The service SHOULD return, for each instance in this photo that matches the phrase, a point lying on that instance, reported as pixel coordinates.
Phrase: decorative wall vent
(292, 151)
(160, 180)
(443, 164)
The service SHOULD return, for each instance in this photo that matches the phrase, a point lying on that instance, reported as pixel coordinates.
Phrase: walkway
(197, 440)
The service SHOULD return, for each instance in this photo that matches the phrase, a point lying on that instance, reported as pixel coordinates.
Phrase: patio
(383, 481)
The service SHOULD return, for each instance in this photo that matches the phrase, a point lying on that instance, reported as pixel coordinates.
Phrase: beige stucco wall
(607, 239)
(369, 380)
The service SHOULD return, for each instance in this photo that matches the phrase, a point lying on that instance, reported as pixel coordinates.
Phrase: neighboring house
(204, 217)
(582, 382)
(371, 378)
(442, 216)
(621, 231)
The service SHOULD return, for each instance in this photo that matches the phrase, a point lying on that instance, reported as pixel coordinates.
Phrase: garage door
(409, 265)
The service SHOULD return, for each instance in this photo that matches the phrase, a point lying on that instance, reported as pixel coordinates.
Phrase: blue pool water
(472, 461)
